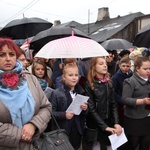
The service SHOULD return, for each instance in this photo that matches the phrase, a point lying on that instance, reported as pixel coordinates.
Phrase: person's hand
(28, 131)
(118, 130)
(111, 130)
(84, 106)
(69, 115)
(146, 101)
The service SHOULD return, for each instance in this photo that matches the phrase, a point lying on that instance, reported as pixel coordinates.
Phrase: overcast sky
(68, 10)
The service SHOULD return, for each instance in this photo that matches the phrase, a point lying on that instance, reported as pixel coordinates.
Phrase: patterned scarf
(16, 96)
(104, 80)
(43, 83)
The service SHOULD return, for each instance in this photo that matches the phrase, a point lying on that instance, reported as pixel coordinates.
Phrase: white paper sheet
(76, 103)
(117, 141)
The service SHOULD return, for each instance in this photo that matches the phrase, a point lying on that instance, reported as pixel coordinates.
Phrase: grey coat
(135, 88)
(10, 134)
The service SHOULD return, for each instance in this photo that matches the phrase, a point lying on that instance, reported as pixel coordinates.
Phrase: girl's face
(7, 58)
(71, 76)
(144, 70)
(39, 70)
(101, 67)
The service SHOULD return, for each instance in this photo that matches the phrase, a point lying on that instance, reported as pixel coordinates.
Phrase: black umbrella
(115, 44)
(142, 39)
(24, 28)
(53, 33)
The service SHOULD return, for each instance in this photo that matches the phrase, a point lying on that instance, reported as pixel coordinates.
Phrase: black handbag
(53, 140)
(90, 135)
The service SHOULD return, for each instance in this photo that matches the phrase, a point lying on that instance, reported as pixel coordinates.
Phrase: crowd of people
(117, 86)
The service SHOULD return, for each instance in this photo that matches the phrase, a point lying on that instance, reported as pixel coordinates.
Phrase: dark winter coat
(102, 105)
(117, 80)
(61, 100)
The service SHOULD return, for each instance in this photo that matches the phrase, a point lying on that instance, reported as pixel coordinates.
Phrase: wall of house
(143, 22)
(127, 33)
(133, 28)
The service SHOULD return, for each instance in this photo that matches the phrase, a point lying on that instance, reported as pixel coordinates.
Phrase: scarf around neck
(16, 96)
(104, 80)
(43, 83)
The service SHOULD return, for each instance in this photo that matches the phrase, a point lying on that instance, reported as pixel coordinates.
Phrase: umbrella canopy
(72, 47)
(116, 44)
(53, 33)
(24, 28)
(142, 39)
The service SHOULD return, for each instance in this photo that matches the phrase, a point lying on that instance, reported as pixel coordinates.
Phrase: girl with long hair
(102, 115)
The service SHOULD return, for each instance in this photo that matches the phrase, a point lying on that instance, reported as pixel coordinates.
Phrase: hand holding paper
(84, 106)
(75, 106)
(117, 141)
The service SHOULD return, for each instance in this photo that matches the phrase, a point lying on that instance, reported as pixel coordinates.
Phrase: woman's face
(7, 58)
(144, 70)
(101, 67)
(23, 60)
(39, 71)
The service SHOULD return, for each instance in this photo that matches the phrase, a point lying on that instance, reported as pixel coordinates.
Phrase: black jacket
(61, 100)
(102, 105)
(118, 79)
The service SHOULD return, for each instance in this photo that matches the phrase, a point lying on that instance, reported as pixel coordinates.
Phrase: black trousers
(75, 136)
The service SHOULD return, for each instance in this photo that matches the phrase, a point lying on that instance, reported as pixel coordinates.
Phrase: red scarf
(104, 80)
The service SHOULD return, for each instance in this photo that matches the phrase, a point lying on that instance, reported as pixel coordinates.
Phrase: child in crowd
(34, 58)
(40, 71)
(133, 56)
(58, 70)
(102, 105)
(123, 54)
(62, 97)
(123, 73)
(135, 97)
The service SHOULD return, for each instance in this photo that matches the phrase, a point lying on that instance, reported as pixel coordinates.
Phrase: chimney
(57, 22)
(103, 13)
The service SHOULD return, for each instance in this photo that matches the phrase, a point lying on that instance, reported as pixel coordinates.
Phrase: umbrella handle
(72, 33)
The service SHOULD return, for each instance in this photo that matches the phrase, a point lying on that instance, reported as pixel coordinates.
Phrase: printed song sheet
(76, 103)
(117, 141)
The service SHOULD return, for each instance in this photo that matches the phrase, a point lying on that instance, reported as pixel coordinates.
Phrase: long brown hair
(45, 71)
(92, 71)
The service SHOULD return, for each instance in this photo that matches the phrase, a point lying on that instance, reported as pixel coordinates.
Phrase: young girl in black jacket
(61, 99)
(102, 114)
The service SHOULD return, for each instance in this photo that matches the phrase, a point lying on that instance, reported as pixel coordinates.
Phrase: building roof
(104, 29)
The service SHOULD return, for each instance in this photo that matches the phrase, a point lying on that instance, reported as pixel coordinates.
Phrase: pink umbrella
(72, 47)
